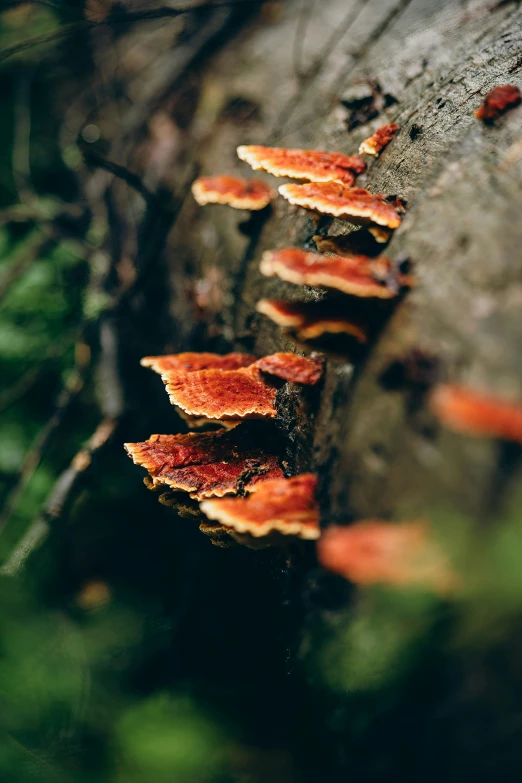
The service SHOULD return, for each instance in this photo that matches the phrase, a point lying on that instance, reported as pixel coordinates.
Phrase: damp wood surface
(376, 452)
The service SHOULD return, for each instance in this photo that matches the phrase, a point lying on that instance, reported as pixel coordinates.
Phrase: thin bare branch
(62, 495)
(28, 254)
(132, 179)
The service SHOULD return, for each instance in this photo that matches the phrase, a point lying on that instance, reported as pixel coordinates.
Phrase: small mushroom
(373, 552)
(357, 205)
(498, 101)
(380, 139)
(291, 367)
(312, 165)
(286, 506)
(235, 192)
(205, 465)
(471, 412)
(356, 275)
(311, 320)
(232, 395)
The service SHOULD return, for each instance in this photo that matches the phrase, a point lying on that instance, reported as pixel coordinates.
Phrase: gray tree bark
(279, 82)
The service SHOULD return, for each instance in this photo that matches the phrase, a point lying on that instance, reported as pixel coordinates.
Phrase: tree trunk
(278, 82)
(240, 619)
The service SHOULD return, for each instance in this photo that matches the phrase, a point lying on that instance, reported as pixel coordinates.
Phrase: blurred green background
(131, 649)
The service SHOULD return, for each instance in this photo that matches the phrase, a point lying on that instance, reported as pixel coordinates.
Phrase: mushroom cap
(373, 551)
(311, 319)
(292, 367)
(350, 274)
(222, 394)
(205, 465)
(235, 192)
(217, 394)
(287, 506)
(380, 139)
(189, 362)
(473, 413)
(357, 205)
(498, 101)
(312, 165)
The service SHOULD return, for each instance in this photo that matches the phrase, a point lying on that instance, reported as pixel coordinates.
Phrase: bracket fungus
(286, 506)
(498, 101)
(377, 552)
(311, 165)
(380, 139)
(190, 362)
(234, 394)
(311, 320)
(357, 275)
(235, 192)
(291, 367)
(205, 465)
(357, 205)
(473, 413)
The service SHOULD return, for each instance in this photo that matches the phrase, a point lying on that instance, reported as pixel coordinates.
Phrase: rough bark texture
(376, 454)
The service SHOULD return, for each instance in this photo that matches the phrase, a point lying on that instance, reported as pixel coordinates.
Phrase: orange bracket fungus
(204, 465)
(291, 367)
(474, 413)
(311, 320)
(236, 192)
(380, 139)
(235, 394)
(222, 394)
(373, 552)
(357, 205)
(312, 165)
(357, 275)
(498, 101)
(286, 506)
(189, 362)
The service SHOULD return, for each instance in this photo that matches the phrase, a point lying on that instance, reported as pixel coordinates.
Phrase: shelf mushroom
(311, 165)
(311, 320)
(232, 395)
(235, 192)
(357, 205)
(377, 552)
(375, 144)
(205, 465)
(498, 101)
(357, 275)
(285, 506)
(472, 412)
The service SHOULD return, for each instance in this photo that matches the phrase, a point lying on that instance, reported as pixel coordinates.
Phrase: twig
(126, 18)
(38, 212)
(62, 495)
(132, 179)
(28, 254)
(29, 377)
(40, 446)
(356, 56)
(310, 75)
(303, 20)
(21, 153)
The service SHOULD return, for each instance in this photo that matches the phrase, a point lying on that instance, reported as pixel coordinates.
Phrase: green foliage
(167, 738)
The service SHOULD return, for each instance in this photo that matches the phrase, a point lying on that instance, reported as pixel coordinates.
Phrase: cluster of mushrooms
(241, 493)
